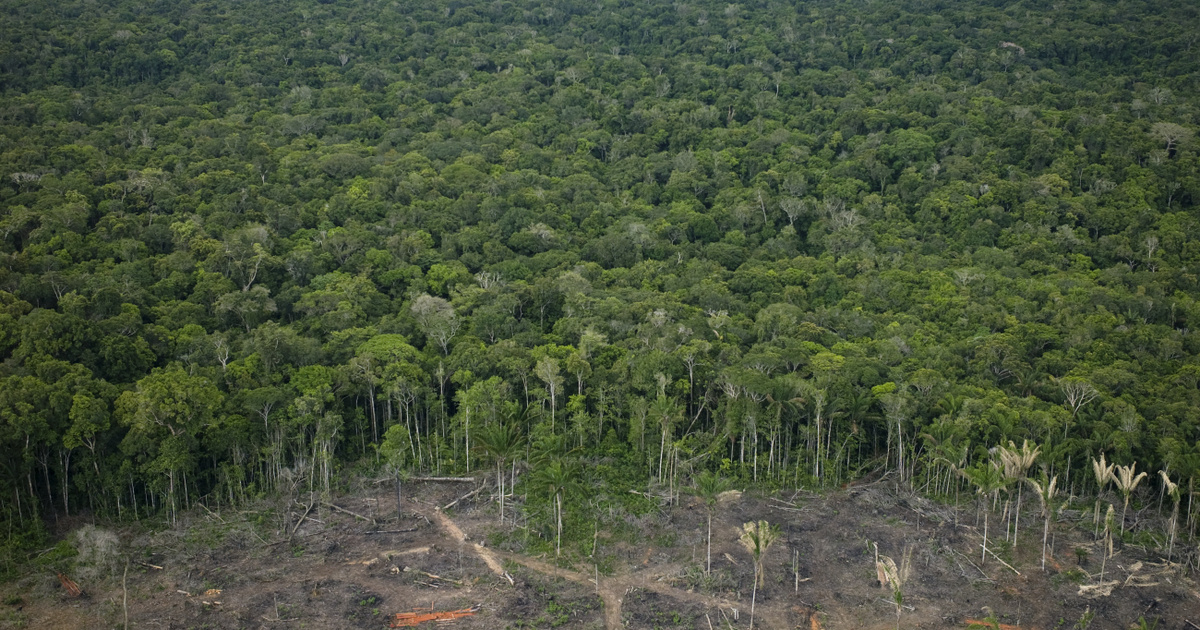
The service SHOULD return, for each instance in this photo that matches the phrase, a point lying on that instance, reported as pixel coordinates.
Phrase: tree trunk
(1045, 533)
(374, 417)
(753, 599)
(1017, 517)
(399, 497)
(500, 486)
(817, 450)
(708, 553)
(983, 553)
(66, 464)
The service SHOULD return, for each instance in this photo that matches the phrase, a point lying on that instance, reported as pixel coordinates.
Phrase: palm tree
(557, 476)
(757, 537)
(1045, 491)
(1016, 463)
(1127, 481)
(1104, 474)
(709, 487)
(987, 480)
(503, 442)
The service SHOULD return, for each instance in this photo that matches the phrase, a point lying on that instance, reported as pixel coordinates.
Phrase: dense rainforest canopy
(247, 247)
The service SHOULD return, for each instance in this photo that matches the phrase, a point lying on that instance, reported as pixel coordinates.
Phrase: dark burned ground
(220, 571)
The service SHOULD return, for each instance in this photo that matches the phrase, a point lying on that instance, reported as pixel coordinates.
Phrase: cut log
(70, 586)
(409, 619)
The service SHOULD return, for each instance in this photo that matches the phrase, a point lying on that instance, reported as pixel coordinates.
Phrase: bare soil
(238, 569)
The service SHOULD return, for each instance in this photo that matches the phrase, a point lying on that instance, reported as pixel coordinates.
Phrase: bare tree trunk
(399, 497)
(558, 513)
(753, 599)
(983, 554)
(500, 485)
(708, 553)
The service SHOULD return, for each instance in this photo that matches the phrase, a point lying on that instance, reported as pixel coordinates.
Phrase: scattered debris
(729, 495)
(1093, 591)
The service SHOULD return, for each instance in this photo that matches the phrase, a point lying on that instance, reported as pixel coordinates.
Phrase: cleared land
(238, 569)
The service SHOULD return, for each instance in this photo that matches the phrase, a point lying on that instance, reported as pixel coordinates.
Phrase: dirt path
(484, 553)
(612, 590)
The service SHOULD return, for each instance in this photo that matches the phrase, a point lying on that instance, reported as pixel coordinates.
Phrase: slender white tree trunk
(708, 553)
(753, 599)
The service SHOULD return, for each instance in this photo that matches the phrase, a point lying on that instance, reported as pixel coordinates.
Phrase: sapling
(1104, 474)
(1016, 462)
(757, 537)
(1172, 490)
(893, 577)
(1108, 545)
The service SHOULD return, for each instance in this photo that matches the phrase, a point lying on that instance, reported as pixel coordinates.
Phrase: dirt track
(611, 589)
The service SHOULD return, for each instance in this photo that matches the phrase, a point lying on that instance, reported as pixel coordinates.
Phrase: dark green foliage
(242, 244)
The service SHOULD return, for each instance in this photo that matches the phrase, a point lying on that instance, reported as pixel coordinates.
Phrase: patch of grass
(13, 619)
(1072, 576)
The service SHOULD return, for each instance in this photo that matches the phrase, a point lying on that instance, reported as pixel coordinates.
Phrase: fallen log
(972, 623)
(301, 521)
(401, 552)
(345, 511)
(464, 497)
(431, 576)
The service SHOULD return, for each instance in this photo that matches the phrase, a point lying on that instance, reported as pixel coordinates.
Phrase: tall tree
(167, 413)
(504, 443)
